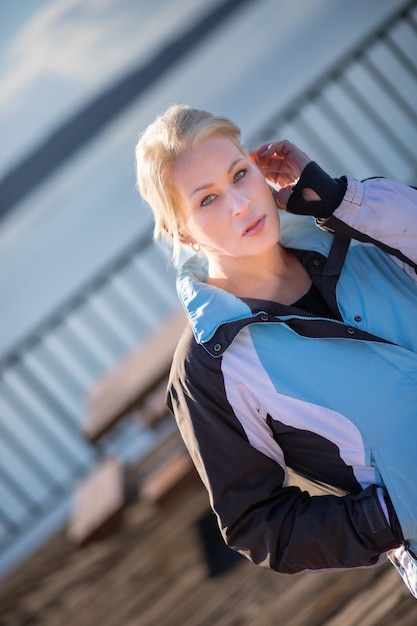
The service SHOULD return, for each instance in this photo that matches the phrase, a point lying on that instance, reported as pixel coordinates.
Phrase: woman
(302, 346)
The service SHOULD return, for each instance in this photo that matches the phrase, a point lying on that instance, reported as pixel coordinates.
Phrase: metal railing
(44, 380)
(358, 118)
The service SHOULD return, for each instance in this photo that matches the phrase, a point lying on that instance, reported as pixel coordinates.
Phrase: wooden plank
(98, 503)
(153, 408)
(369, 609)
(173, 475)
(124, 388)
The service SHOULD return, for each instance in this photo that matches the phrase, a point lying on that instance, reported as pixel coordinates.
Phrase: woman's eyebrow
(208, 185)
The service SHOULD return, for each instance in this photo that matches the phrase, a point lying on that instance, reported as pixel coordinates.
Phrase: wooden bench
(131, 384)
(136, 386)
(98, 503)
(165, 471)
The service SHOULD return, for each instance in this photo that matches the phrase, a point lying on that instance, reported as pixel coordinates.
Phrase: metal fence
(359, 118)
(44, 379)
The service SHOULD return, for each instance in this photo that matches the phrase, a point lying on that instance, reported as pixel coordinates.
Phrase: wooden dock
(154, 571)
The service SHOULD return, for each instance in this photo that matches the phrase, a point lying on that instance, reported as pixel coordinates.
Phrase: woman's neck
(278, 276)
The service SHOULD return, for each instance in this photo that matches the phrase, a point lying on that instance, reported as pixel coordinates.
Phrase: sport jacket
(258, 387)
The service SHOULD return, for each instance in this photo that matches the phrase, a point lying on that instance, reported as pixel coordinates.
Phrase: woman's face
(226, 204)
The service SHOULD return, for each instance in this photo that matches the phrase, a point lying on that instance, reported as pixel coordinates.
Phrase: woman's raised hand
(282, 164)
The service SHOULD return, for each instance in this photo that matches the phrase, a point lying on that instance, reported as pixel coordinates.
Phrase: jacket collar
(205, 304)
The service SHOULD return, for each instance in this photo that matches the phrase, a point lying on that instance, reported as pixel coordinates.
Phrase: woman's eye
(207, 199)
(240, 174)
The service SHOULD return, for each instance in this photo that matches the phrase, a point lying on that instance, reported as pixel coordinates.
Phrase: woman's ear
(185, 238)
(254, 157)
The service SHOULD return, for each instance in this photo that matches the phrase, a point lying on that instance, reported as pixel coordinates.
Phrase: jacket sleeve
(378, 210)
(273, 524)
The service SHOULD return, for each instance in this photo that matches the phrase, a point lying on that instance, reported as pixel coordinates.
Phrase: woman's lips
(254, 227)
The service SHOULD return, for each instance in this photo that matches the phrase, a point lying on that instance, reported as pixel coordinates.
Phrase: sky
(55, 54)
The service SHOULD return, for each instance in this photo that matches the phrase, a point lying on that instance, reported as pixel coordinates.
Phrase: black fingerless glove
(331, 191)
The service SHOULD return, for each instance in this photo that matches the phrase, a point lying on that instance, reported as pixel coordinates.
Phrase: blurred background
(81, 283)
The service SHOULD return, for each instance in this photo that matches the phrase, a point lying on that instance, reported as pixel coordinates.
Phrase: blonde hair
(180, 129)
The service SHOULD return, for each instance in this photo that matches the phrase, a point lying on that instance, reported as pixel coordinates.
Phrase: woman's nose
(239, 203)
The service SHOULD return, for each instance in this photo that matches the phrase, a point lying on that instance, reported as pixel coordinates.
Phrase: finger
(260, 150)
(282, 196)
(270, 149)
(278, 148)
